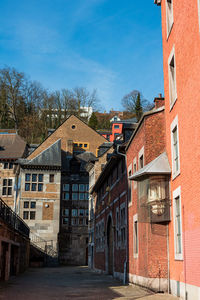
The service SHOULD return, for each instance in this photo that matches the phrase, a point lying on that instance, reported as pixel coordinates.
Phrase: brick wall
(184, 37)
(151, 261)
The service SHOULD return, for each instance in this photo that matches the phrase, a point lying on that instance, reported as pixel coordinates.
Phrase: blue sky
(113, 46)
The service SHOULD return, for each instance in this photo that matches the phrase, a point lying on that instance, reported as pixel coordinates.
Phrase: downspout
(168, 265)
(126, 260)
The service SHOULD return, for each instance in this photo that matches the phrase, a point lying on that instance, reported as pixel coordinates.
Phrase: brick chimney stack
(159, 101)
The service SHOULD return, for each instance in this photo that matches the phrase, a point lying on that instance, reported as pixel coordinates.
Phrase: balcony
(13, 220)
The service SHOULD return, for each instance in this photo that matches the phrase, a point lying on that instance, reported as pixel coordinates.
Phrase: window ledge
(178, 257)
(176, 174)
(170, 30)
(173, 103)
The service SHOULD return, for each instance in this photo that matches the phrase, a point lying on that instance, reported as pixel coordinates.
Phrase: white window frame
(135, 170)
(141, 152)
(117, 224)
(130, 185)
(169, 17)
(177, 194)
(135, 254)
(123, 226)
(172, 79)
(174, 125)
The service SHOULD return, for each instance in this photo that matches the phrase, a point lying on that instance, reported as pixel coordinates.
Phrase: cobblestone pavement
(68, 283)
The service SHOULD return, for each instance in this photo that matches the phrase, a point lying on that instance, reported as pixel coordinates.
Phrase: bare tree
(129, 101)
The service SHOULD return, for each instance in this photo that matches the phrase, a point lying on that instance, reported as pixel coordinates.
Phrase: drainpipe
(168, 265)
(126, 260)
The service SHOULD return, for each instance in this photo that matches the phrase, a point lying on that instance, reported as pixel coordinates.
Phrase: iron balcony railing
(12, 219)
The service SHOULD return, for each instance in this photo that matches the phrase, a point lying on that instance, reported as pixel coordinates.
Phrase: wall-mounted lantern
(153, 191)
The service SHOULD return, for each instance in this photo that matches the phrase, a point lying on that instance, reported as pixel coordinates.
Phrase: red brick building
(181, 63)
(148, 205)
(110, 253)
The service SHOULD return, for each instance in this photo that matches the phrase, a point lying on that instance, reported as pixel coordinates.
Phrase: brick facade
(147, 264)
(183, 40)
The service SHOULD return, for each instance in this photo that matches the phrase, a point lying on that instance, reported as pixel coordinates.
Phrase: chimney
(69, 148)
(159, 101)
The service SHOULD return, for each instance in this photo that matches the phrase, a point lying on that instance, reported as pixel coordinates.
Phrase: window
(99, 235)
(8, 165)
(81, 212)
(66, 212)
(29, 212)
(51, 178)
(65, 196)
(172, 79)
(117, 228)
(65, 221)
(169, 15)
(135, 236)
(175, 148)
(79, 146)
(74, 221)
(34, 182)
(7, 187)
(129, 184)
(141, 161)
(116, 126)
(177, 224)
(134, 170)
(74, 187)
(66, 187)
(123, 225)
(74, 212)
(141, 158)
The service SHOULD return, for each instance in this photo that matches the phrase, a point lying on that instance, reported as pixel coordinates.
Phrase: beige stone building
(53, 199)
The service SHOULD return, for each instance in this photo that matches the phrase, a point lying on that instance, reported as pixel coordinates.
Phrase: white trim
(135, 164)
(177, 194)
(141, 152)
(129, 185)
(174, 92)
(174, 125)
(135, 219)
(198, 3)
(169, 19)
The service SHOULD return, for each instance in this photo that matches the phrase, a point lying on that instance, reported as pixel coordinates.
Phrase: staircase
(42, 252)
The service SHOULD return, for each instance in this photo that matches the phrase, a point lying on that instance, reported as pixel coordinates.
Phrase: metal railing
(45, 246)
(12, 219)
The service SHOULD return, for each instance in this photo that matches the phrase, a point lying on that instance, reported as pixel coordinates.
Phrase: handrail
(12, 219)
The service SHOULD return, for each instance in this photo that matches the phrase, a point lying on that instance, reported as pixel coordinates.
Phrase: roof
(159, 166)
(49, 157)
(132, 120)
(87, 156)
(158, 2)
(12, 146)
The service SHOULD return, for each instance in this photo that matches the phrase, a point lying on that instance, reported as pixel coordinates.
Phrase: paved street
(71, 283)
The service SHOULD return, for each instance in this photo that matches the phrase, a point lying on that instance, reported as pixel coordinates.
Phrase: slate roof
(12, 146)
(159, 166)
(49, 157)
(87, 156)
